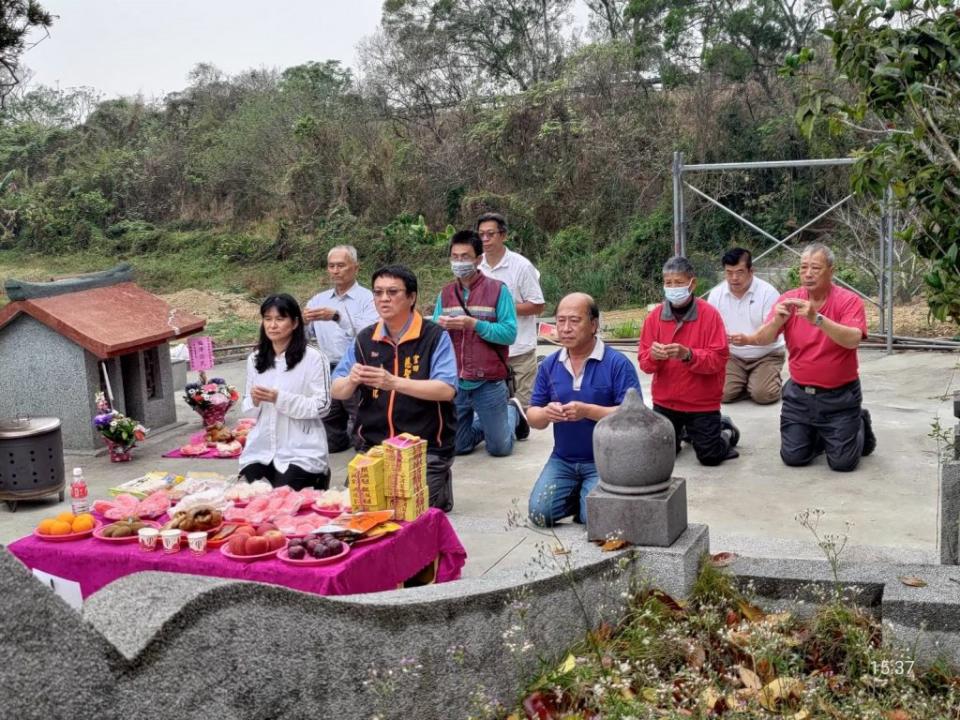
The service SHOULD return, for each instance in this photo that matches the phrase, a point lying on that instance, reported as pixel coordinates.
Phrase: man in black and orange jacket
(684, 346)
(404, 374)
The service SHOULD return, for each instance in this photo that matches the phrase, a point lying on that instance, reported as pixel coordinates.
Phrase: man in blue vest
(479, 314)
(575, 388)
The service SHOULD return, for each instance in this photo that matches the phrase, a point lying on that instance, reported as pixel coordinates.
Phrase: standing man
(744, 302)
(523, 281)
(575, 388)
(405, 375)
(478, 313)
(335, 317)
(823, 325)
(684, 346)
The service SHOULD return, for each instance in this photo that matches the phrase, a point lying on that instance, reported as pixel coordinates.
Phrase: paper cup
(197, 541)
(171, 540)
(148, 538)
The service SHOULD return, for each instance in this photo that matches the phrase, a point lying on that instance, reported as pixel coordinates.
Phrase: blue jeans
(483, 415)
(561, 491)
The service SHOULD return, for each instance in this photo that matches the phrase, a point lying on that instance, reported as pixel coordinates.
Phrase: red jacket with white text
(697, 385)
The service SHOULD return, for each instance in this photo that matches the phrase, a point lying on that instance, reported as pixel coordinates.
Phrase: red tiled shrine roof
(108, 321)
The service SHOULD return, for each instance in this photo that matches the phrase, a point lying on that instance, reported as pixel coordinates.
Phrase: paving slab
(748, 503)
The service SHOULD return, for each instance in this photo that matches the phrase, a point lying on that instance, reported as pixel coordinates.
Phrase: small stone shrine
(638, 499)
(62, 342)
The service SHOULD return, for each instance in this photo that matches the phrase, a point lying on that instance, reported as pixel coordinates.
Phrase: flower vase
(214, 415)
(118, 452)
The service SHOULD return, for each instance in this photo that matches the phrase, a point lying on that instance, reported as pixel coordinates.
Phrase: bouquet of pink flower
(215, 393)
(115, 426)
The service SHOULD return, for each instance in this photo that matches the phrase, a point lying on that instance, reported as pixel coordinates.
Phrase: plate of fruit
(66, 527)
(122, 531)
(322, 550)
(249, 544)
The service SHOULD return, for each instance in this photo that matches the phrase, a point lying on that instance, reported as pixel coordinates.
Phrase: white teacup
(148, 538)
(171, 540)
(197, 541)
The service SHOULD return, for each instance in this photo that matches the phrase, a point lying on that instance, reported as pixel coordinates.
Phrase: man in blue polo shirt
(574, 389)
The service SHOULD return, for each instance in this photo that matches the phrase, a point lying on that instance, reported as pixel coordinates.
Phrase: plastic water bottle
(78, 493)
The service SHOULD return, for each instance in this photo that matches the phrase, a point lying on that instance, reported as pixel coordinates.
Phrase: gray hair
(350, 250)
(679, 264)
(816, 247)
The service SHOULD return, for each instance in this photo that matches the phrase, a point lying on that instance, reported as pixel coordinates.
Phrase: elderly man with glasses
(334, 317)
(404, 371)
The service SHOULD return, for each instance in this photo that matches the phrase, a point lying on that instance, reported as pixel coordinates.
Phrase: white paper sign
(66, 589)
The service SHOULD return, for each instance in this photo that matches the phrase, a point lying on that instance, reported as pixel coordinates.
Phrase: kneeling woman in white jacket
(288, 391)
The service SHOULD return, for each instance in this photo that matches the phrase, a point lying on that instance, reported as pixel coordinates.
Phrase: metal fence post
(888, 222)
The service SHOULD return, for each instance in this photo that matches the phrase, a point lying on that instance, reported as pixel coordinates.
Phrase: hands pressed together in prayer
(460, 322)
(783, 310)
(375, 377)
(567, 412)
(260, 394)
(670, 351)
(314, 314)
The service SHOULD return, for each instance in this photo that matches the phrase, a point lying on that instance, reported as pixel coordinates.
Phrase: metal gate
(885, 236)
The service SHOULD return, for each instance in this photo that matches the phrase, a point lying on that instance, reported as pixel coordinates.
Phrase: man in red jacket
(684, 346)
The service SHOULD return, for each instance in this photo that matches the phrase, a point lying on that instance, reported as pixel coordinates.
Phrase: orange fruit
(61, 527)
(83, 522)
(67, 517)
(46, 526)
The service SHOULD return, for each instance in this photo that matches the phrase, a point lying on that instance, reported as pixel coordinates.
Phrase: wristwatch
(818, 320)
(689, 356)
(336, 316)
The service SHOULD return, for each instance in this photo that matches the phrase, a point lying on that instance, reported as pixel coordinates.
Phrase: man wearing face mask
(479, 314)
(684, 346)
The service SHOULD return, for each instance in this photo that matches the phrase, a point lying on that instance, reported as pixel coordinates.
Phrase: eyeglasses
(388, 292)
(490, 234)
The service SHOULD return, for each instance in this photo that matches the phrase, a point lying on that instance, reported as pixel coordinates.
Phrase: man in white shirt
(334, 318)
(744, 302)
(523, 281)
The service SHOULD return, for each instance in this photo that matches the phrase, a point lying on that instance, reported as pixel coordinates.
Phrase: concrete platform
(748, 503)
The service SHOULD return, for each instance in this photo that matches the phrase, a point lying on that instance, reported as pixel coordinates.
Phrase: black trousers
(294, 476)
(703, 429)
(814, 419)
(339, 423)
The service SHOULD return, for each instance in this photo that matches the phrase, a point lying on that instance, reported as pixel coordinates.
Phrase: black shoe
(869, 439)
(819, 446)
(727, 424)
(523, 427)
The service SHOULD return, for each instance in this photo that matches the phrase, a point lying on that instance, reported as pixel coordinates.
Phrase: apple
(256, 545)
(235, 545)
(275, 539)
(245, 531)
(265, 527)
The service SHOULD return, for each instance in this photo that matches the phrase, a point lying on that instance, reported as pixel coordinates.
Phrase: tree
(17, 19)
(512, 42)
(903, 58)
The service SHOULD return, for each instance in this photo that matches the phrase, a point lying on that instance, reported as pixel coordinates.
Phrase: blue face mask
(463, 268)
(676, 295)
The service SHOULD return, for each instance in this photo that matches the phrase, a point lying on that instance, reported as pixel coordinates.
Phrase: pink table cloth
(197, 439)
(371, 567)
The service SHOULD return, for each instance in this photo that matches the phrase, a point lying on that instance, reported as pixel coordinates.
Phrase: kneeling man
(823, 325)
(684, 346)
(575, 387)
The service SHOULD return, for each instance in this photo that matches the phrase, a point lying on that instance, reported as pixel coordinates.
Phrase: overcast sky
(125, 47)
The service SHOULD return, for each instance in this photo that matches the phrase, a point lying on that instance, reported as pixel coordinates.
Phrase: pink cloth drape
(372, 567)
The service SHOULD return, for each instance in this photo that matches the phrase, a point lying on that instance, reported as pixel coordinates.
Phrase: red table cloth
(371, 567)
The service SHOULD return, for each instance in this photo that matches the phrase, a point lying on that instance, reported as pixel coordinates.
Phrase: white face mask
(677, 295)
(462, 268)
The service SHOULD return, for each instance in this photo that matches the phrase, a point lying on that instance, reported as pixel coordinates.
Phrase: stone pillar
(950, 497)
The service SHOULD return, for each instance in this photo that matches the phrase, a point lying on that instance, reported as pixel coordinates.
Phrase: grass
(626, 330)
(718, 654)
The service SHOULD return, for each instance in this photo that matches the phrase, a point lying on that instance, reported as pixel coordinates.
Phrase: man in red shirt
(684, 346)
(823, 325)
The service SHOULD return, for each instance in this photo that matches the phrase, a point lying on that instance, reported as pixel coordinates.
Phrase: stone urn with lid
(634, 449)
